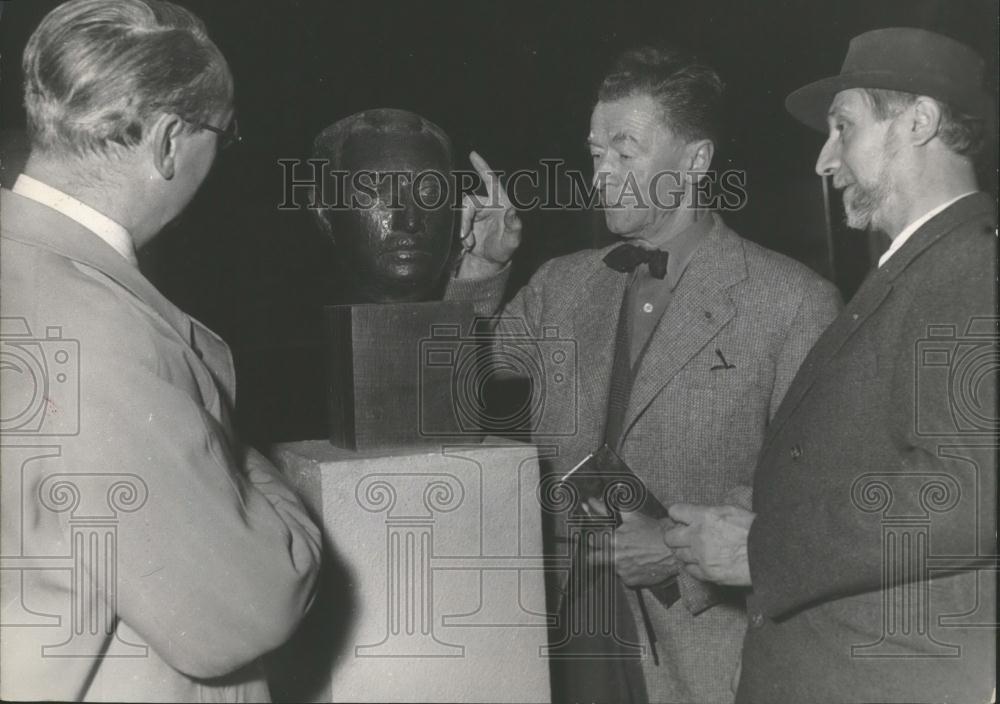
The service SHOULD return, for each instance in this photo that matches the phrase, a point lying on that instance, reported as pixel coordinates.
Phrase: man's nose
(602, 173)
(829, 157)
(407, 217)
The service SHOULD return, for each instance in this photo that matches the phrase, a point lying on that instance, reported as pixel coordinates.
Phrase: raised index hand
(490, 228)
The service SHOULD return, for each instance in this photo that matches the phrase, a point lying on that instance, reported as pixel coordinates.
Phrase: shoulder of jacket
(85, 304)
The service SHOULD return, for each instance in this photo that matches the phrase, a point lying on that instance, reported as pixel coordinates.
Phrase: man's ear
(926, 120)
(699, 157)
(163, 143)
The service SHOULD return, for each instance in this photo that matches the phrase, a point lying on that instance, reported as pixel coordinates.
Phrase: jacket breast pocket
(726, 372)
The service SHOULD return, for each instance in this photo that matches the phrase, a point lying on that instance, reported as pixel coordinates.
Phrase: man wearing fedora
(871, 547)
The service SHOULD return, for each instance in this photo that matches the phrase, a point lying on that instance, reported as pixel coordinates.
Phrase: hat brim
(811, 103)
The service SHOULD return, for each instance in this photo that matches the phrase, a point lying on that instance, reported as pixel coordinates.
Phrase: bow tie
(627, 257)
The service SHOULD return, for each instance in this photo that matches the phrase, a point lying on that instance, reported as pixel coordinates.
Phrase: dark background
(512, 80)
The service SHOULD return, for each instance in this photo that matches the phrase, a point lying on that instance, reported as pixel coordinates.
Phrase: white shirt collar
(914, 226)
(98, 223)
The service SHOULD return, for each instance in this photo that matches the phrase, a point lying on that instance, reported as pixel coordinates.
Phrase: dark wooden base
(382, 392)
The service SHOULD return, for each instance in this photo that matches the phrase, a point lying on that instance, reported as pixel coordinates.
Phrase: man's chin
(858, 219)
(866, 209)
(856, 222)
(618, 223)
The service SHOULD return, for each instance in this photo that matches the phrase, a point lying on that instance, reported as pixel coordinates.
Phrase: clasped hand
(640, 557)
(711, 542)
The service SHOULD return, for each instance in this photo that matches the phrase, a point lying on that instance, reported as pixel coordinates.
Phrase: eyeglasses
(227, 137)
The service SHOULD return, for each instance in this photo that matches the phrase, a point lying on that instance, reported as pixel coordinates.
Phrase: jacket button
(756, 619)
(795, 452)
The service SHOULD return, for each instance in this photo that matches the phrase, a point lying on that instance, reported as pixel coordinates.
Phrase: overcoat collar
(29, 222)
(872, 294)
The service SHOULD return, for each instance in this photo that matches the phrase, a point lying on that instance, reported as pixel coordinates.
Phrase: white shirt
(98, 223)
(901, 238)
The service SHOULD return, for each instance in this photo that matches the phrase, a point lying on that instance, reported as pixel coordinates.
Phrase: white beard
(862, 204)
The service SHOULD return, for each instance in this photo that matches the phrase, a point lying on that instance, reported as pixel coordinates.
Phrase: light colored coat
(147, 555)
(691, 432)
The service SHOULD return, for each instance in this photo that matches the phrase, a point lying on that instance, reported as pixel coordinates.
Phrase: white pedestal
(433, 589)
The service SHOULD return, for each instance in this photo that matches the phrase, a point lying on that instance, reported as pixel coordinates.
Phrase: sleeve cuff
(485, 293)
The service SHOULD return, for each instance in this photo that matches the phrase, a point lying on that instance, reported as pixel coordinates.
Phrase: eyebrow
(624, 137)
(839, 111)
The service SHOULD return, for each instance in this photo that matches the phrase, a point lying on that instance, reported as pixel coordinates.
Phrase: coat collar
(29, 222)
(871, 295)
(700, 308)
(964, 209)
(595, 320)
(32, 223)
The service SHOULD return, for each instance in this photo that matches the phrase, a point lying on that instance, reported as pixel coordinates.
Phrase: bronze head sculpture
(393, 224)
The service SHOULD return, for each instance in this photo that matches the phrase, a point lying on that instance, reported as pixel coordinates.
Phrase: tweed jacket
(147, 555)
(693, 427)
(875, 491)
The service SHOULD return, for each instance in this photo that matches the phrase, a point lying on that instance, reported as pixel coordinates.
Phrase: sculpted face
(396, 237)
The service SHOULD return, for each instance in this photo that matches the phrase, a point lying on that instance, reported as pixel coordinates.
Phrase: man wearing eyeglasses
(227, 137)
(147, 554)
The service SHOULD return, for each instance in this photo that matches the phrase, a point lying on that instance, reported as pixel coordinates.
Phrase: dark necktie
(627, 257)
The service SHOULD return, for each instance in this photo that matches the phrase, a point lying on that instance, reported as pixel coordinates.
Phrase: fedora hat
(904, 59)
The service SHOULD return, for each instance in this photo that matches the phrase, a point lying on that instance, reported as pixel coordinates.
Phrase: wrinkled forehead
(393, 150)
(634, 118)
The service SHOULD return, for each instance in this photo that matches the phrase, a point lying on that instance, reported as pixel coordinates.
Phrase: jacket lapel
(866, 301)
(870, 297)
(701, 307)
(216, 355)
(595, 320)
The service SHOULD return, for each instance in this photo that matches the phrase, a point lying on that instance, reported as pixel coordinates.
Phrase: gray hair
(961, 133)
(98, 72)
(689, 92)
